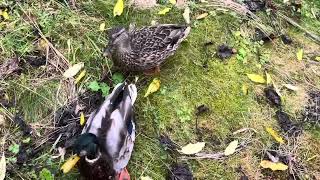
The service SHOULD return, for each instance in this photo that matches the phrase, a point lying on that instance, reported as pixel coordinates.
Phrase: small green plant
(14, 148)
(117, 78)
(45, 174)
(95, 87)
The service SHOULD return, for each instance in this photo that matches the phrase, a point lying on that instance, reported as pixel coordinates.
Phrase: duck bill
(124, 175)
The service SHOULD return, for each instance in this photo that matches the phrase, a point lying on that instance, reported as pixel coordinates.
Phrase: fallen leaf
(317, 58)
(2, 167)
(118, 8)
(300, 55)
(153, 87)
(62, 152)
(273, 166)
(186, 15)
(173, 2)
(43, 44)
(275, 135)
(5, 15)
(81, 75)
(192, 148)
(202, 16)
(82, 119)
(146, 178)
(70, 163)
(256, 78)
(102, 27)
(291, 87)
(73, 70)
(2, 120)
(268, 77)
(27, 140)
(231, 148)
(245, 89)
(164, 11)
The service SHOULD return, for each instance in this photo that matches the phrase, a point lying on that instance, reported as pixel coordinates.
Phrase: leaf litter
(179, 172)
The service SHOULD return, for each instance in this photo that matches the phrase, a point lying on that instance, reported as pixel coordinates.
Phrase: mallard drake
(106, 142)
(144, 49)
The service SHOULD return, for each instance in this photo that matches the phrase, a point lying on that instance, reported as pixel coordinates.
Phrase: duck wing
(155, 43)
(114, 126)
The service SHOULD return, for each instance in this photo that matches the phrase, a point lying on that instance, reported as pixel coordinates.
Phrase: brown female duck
(144, 49)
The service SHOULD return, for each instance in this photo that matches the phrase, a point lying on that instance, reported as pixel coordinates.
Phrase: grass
(185, 84)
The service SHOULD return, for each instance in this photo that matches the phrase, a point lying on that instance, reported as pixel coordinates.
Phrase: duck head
(87, 145)
(118, 39)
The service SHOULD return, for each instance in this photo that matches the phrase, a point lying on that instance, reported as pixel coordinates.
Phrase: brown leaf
(9, 67)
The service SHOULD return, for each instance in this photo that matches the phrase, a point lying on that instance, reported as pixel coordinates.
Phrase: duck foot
(154, 71)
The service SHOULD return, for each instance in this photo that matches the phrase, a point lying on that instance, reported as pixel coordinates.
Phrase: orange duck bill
(124, 175)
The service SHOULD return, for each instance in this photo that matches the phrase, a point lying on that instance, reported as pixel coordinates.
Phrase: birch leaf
(81, 75)
(173, 2)
(118, 8)
(186, 15)
(5, 15)
(2, 167)
(153, 87)
(275, 135)
(102, 27)
(82, 119)
(273, 166)
(73, 70)
(300, 55)
(317, 58)
(70, 163)
(245, 89)
(202, 16)
(146, 178)
(268, 77)
(192, 148)
(231, 148)
(164, 11)
(291, 87)
(256, 78)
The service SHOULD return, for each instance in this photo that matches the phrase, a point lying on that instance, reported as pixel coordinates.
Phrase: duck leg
(153, 71)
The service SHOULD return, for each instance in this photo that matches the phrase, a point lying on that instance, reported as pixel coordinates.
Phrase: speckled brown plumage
(146, 48)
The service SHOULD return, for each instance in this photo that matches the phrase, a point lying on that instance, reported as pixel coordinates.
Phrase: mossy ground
(185, 84)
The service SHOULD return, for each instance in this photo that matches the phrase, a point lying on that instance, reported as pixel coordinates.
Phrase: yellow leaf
(5, 15)
(173, 2)
(273, 166)
(164, 11)
(268, 77)
(43, 44)
(70, 163)
(256, 78)
(146, 178)
(82, 119)
(73, 70)
(2, 167)
(231, 148)
(118, 8)
(317, 58)
(81, 75)
(192, 148)
(102, 27)
(291, 87)
(275, 135)
(153, 87)
(245, 89)
(186, 15)
(300, 54)
(201, 16)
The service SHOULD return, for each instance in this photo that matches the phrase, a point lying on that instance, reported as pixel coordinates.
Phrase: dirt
(312, 109)
(24, 127)
(287, 125)
(273, 97)
(179, 172)
(224, 51)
